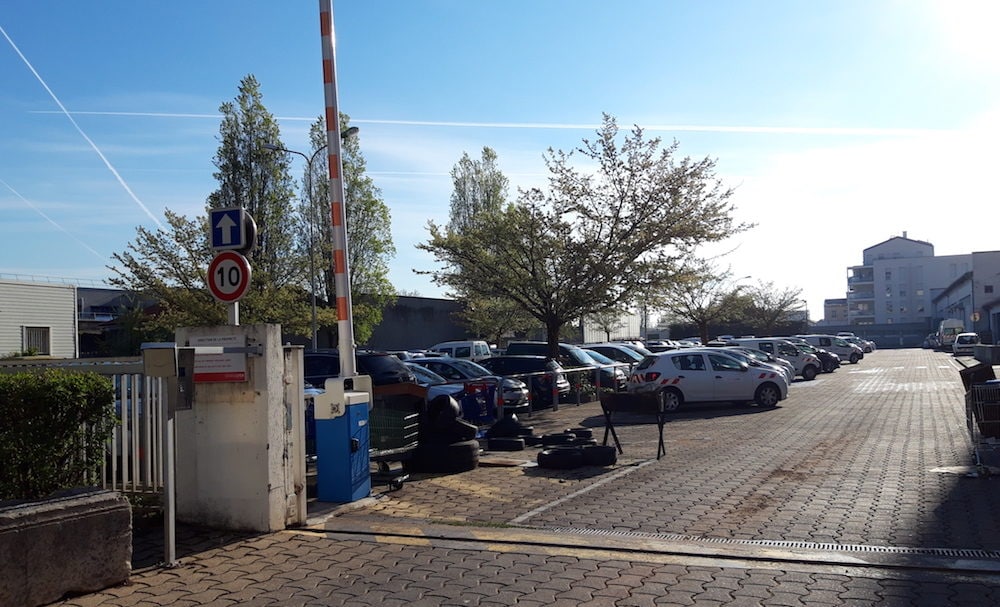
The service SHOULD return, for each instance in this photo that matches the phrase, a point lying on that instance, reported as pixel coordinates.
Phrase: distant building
(903, 289)
(835, 311)
(38, 318)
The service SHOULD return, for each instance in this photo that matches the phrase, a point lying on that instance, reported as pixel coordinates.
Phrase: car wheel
(767, 395)
(670, 399)
(854, 358)
(809, 373)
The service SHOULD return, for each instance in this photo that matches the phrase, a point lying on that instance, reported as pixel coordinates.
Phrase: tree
(704, 297)
(169, 265)
(480, 191)
(591, 241)
(369, 228)
(608, 321)
(480, 188)
(768, 308)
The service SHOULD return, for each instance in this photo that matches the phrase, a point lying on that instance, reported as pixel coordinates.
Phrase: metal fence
(134, 454)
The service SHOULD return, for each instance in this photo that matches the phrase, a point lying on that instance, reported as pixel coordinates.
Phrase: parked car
(435, 384)
(837, 345)
(786, 367)
(539, 372)
(866, 346)
(807, 365)
(472, 349)
(619, 369)
(616, 352)
(965, 344)
(572, 357)
(696, 375)
(754, 363)
(515, 391)
(382, 367)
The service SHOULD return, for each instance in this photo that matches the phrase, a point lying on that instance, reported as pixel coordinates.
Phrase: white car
(965, 343)
(702, 375)
(786, 367)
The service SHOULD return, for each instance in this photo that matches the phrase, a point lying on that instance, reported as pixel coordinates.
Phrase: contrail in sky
(52, 221)
(692, 128)
(79, 130)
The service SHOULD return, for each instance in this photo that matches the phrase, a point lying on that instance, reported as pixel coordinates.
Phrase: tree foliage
(704, 297)
(479, 193)
(768, 307)
(294, 237)
(369, 234)
(592, 240)
(170, 264)
(480, 188)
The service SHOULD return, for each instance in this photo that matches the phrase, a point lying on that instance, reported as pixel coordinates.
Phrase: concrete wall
(79, 543)
(239, 465)
(417, 322)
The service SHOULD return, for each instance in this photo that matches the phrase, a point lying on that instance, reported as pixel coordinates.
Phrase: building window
(919, 293)
(888, 291)
(987, 288)
(902, 292)
(36, 339)
(888, 274)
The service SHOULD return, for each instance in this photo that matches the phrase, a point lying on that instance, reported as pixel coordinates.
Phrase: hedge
(54, 427)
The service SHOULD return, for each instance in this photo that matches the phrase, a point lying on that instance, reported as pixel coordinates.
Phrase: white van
(468, 349)
(806, 365)
(831, 343)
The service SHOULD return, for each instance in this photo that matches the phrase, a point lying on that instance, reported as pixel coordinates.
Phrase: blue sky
(840, 123)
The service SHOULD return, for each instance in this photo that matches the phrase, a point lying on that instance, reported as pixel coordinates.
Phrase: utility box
(343, 441)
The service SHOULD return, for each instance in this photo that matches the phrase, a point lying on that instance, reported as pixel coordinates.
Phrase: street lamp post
(309, 220)
(309, 223)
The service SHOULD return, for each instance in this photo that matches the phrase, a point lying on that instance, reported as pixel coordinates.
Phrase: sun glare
(970, 28)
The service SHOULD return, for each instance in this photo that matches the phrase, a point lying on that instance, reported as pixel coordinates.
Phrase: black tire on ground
(464, 430)
(582, 432)
(582, 442)
(532, 441)
(560, 438)
(505, 444)
(561, 458)
(854, 358)
(600, 455)
(456, 457)
(809, 373)
(443, 409)
(525, 431)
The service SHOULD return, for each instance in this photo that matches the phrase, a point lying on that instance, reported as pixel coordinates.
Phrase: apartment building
(902, 282)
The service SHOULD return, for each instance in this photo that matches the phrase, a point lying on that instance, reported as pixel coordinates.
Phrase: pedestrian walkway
(855, 491)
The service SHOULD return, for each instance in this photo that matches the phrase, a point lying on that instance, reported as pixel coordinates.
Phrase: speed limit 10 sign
(228, 276)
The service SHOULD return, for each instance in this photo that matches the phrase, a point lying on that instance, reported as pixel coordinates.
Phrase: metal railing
(134, 453)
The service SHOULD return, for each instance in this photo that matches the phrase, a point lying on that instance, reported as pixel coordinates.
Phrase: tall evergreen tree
(170, 264)
(369, 233)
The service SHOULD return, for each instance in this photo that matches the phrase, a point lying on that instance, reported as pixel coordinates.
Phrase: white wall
(38, 304)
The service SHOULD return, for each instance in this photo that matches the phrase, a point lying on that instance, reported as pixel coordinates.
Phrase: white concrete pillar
(240, 448)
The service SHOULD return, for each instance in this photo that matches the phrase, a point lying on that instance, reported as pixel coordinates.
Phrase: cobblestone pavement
(859, 489)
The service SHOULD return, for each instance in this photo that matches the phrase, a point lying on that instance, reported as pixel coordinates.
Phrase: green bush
(53, 429)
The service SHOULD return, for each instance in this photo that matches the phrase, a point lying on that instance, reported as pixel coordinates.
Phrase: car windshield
(425, 375)
(598, 357)
(471, 369)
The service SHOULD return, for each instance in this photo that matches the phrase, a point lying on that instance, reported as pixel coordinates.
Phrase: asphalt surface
(860, 489)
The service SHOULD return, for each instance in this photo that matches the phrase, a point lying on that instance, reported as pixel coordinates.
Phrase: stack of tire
(574, 448)
(509, 434)
(446, 442)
